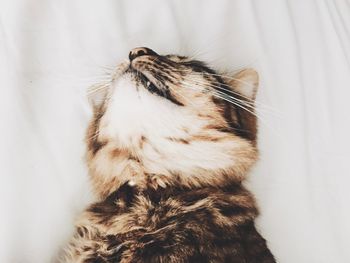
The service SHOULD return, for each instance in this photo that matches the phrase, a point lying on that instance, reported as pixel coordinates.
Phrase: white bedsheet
(51, 51)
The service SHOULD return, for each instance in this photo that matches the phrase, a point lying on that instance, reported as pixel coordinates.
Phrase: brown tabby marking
(167, 151)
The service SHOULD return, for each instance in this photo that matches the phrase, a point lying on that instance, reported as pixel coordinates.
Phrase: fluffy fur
(167, 149)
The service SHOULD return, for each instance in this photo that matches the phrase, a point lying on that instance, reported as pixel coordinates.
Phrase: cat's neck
(152, 168)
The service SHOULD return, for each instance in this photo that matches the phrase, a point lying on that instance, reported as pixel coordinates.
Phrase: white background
(51, 51)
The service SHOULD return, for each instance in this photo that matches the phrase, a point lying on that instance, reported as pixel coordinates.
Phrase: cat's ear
(245, 82)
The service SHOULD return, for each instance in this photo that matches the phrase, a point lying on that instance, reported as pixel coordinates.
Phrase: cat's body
(168, 148)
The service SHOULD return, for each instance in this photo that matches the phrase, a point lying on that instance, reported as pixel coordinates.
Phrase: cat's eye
(176, 58)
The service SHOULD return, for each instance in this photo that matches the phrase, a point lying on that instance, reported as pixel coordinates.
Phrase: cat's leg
(90, 243)
(254, 245)
(89, 246)
(81, 247)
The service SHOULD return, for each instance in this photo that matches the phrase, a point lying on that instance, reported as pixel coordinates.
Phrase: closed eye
(154, 89)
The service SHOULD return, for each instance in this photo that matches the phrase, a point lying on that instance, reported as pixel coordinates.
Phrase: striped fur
(167, 159)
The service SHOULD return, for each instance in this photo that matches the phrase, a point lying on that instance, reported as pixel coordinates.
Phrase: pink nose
(141, 51)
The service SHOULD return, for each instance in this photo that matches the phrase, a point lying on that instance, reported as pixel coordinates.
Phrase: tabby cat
(168, 147)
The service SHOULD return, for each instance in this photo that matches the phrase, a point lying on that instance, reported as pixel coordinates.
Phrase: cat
(168, 147)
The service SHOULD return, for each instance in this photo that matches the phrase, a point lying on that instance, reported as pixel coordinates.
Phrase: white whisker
(249, 101)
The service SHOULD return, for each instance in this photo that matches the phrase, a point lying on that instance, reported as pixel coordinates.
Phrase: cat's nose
(141, 51)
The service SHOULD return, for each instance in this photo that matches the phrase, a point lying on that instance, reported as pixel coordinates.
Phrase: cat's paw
(158, 180)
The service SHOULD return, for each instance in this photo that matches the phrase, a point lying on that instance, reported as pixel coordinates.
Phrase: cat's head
(168, 120)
